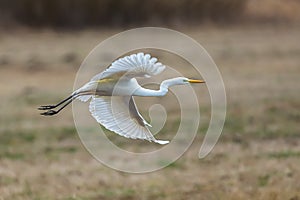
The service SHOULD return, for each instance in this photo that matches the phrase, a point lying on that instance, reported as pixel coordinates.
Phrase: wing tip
(162, 141)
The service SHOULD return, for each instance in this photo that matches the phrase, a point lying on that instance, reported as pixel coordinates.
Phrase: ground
(257, 156)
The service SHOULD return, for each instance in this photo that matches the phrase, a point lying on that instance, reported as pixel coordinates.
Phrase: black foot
(49, 113)
(46, 107)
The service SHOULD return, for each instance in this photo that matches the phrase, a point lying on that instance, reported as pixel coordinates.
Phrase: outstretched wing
(135, 65)
(120, 115)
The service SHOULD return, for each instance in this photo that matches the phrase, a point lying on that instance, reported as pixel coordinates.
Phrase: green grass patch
(27, 144)
(58, 150)
(284, 154)
(17, 137)
(55, 152)
(6, 180)
(271, 119)
(263, 180)
(22, 137)
(12, 155)
(60, 133)
(76, 198)
(118, 193)
(174, 165)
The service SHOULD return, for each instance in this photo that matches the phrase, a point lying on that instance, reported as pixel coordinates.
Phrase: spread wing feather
(135, 65)
(119, 114)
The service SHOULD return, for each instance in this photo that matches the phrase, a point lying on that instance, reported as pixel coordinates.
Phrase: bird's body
(111, 93)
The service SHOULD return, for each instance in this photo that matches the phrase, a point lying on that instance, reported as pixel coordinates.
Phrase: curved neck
(163, 90)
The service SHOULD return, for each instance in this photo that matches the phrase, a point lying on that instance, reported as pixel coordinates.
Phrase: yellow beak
(196, 81)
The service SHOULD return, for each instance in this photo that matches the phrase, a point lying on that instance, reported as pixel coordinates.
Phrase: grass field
(257, 156)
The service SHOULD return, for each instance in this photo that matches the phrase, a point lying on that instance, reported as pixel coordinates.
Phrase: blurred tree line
(81, 13)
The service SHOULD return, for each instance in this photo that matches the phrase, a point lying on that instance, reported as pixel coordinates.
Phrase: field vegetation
(255, 44)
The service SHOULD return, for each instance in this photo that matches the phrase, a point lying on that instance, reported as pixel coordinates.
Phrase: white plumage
(113, 114)
(111, 93)
(135, 65)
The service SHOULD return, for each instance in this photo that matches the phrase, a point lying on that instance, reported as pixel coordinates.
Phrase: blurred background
(255, 44)
(118, 13)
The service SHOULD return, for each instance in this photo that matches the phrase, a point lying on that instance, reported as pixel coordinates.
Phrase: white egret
(118, 83)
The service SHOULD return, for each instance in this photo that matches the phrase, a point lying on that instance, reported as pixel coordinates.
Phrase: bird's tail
(84, 98)
(90, 86)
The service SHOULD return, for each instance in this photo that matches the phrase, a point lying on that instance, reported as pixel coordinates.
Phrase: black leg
(54, 112)
(67, 100)
(54, 106)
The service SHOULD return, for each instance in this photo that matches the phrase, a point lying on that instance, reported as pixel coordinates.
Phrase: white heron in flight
(118, 84)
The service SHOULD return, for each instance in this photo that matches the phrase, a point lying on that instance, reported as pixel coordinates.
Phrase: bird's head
(180, 81)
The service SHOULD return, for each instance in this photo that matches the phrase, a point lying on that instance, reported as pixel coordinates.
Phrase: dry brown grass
(273, 11)
(257, 156)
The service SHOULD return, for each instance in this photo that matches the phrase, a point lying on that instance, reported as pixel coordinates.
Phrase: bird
(111, 94)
